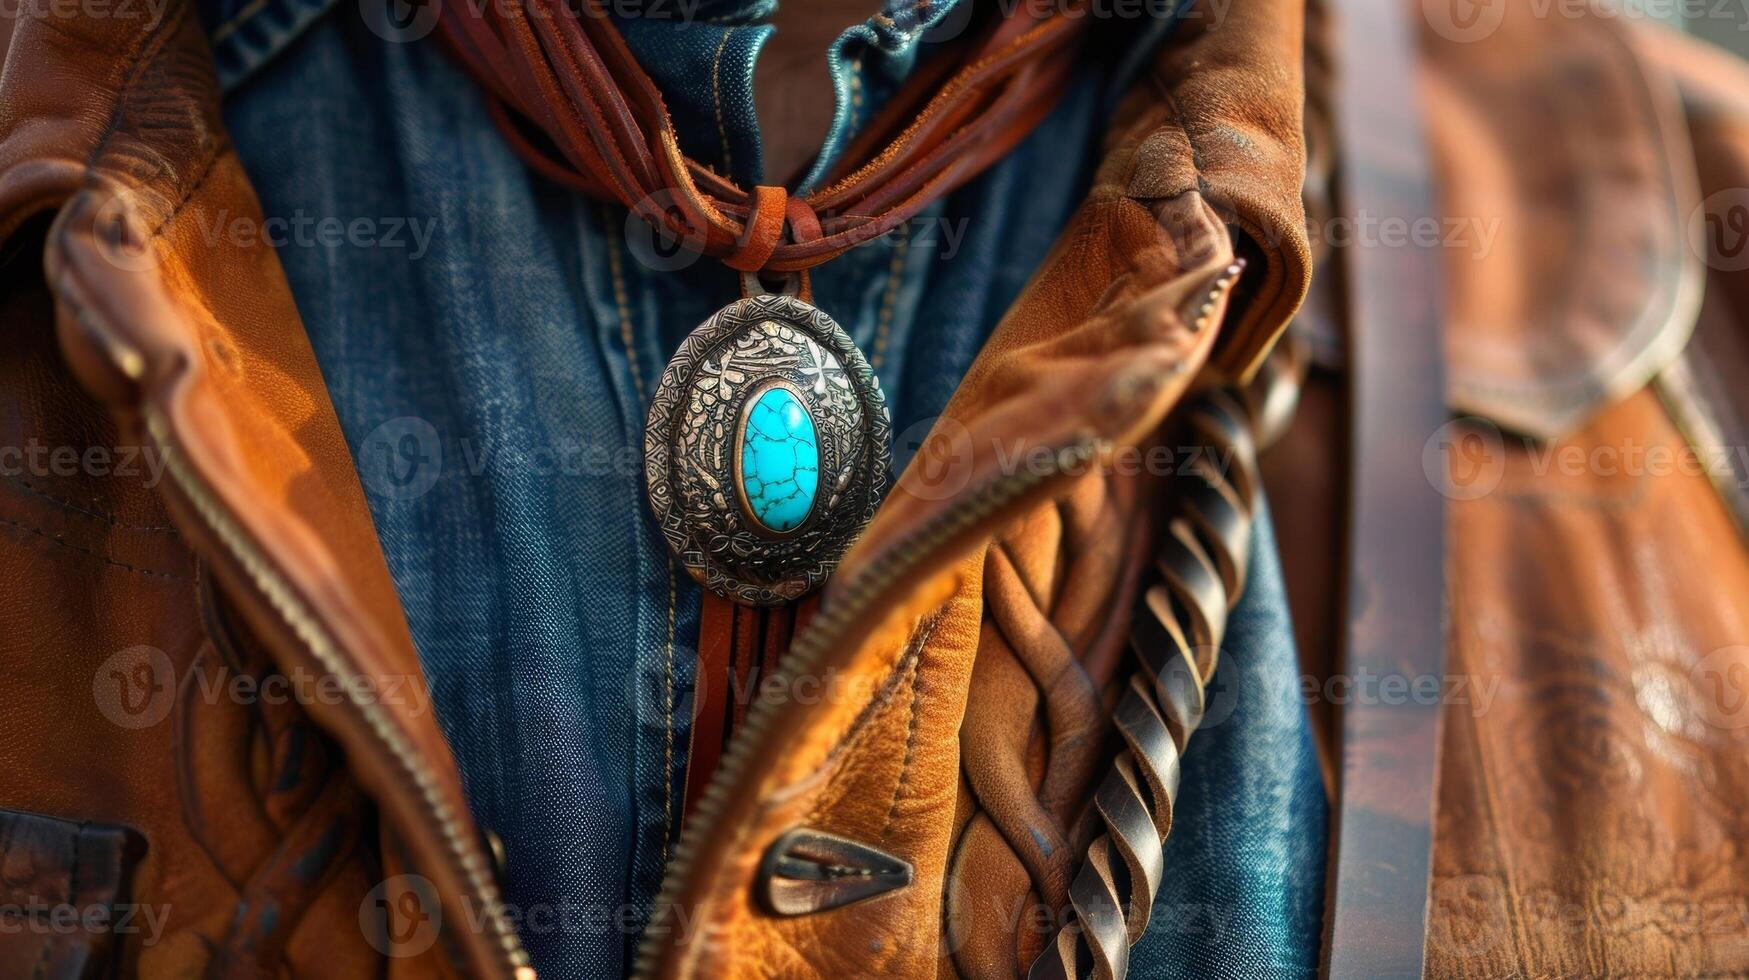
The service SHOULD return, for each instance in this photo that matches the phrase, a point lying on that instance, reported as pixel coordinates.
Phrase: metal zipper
(826, 632)
(463, 848)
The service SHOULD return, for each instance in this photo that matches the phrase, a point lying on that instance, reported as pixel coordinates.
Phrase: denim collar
(704, 66)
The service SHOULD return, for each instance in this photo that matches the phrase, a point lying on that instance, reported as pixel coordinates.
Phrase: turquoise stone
(780, 460)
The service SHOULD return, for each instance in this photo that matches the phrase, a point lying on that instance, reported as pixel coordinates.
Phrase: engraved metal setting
(693, 443)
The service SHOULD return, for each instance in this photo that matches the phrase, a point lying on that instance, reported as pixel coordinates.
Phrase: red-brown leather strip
(716, 645)
(804, 224)
(1376, 915)
(738, 647)
(763, 228)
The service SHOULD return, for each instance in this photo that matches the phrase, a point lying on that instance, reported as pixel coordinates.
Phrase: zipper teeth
(821, 635)
(326, 651)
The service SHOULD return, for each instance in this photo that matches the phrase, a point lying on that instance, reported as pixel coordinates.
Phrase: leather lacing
(1175, 635)
(564, 70)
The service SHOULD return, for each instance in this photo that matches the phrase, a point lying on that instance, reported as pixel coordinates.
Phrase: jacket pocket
(65, 890)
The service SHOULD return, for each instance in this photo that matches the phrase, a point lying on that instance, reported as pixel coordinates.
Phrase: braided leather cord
(1175, 635)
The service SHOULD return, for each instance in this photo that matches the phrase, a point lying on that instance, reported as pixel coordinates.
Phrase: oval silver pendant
(766, 450)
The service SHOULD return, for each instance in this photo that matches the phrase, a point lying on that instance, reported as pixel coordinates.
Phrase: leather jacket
(1006, 637)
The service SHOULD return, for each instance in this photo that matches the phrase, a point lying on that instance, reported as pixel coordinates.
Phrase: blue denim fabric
(492, 378)
(1243, 894)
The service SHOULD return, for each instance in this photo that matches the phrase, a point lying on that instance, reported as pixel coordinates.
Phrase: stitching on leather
(108, 518)
(910, 727)
(55, 539)
(150, 48)
(859, 727)
(142, 54)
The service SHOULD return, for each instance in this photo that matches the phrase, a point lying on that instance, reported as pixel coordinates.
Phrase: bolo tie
(766, 445)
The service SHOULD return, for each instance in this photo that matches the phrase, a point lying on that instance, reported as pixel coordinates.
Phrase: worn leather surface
(975, 722)
(248, 552)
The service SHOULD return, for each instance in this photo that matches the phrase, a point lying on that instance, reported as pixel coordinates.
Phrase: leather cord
(571, 76)
(1175, 636)
(738, 647)
(1376, 913)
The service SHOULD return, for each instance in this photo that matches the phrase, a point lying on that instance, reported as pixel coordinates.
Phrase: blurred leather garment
(1590, 172)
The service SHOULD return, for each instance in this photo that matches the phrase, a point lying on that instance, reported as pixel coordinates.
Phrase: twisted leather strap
(1175, 634)
(570, 73)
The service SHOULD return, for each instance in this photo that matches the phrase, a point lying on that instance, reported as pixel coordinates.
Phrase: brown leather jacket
(210, 531)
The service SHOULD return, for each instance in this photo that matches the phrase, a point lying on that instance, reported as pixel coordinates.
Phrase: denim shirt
(490, 341)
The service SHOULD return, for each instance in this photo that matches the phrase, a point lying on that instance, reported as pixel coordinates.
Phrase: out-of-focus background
(1723, 22)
